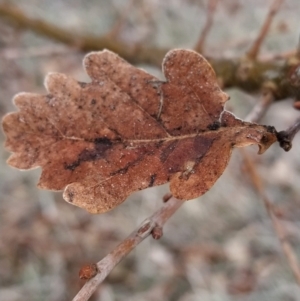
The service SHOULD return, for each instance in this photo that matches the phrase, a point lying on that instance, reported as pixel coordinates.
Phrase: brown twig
(116, 29)
(261, 107)
(254, 116)
(209, 22)
(279, 229)
(254, 50)
(226, 69)
(67, 37)
(104, 266)
(16, 53)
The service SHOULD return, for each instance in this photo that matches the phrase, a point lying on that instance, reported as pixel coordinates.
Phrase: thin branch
(279, 229)
(83, 42)
(105, 266)
(298, 49)
(254, 116)
(16, 53)
(269, 57)
(116, 29)
(285, 138)
(261, 107)
(208, 24)
(254, 50)
(226, 69)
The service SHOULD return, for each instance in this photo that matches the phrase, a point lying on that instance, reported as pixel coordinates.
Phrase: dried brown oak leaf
(126, 130)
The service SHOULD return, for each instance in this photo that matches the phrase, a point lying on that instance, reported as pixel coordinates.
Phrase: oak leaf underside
(126, 130)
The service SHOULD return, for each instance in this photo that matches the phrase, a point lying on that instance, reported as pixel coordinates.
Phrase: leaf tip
(75, 194)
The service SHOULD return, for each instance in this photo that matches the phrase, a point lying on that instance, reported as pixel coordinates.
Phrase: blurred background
(219, 247)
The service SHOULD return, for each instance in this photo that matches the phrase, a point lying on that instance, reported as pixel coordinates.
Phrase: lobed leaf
(126, 130)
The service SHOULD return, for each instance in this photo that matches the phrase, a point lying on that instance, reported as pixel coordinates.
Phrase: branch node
(285, 138)
(145, 228)
(157, 232)
(88, 271)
